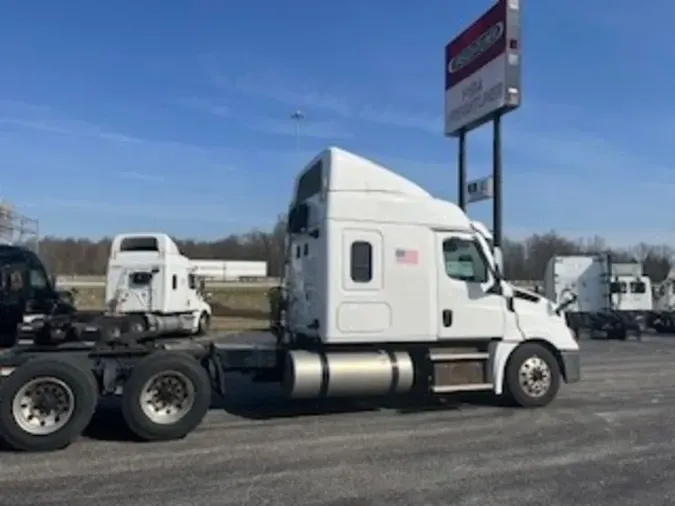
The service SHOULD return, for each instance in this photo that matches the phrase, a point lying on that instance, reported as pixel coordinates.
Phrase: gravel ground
(607, 440)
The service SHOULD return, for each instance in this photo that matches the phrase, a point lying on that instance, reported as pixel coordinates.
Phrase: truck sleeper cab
(388, 277)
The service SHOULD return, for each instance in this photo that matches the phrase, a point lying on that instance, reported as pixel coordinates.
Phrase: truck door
(466, 308)
(306, 281)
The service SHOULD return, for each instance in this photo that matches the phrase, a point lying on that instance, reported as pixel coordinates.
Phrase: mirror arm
(495, 288)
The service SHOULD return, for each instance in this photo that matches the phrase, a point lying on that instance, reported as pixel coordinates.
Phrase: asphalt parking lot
(607, 440)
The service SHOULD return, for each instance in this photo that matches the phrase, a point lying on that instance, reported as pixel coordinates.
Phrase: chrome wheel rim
(43, 406)
(534, 376)
(167, 397)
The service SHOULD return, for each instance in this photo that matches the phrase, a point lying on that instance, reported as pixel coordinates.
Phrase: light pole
(297, 116)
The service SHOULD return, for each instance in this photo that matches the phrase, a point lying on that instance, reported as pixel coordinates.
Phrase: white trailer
(389, 291)
(149, 277)
(609, 297)
(230, 270)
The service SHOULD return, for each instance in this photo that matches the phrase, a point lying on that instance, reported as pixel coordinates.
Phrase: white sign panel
(480, 189)
(477, 96)
(482, 69)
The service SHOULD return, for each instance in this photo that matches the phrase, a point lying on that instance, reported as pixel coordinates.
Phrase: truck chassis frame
(157, 377)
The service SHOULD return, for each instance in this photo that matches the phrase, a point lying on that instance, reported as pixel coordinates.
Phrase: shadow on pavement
(260, 401)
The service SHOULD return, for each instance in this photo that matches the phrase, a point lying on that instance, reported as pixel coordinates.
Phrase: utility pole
(297, 116)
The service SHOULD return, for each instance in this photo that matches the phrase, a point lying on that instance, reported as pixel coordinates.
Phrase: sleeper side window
(361, 262)
(174, 282)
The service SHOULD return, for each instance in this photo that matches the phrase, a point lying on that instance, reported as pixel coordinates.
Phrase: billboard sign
(482, 69)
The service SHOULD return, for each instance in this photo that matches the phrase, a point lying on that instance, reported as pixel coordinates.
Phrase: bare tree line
(523, 259)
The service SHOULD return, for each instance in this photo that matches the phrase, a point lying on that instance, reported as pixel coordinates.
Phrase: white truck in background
(611, 298)
(662, 318)
(149, 277)
(664, 294)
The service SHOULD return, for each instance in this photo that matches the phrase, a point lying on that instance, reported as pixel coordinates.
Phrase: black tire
(154, 364)
(204, 324)
(83, 386)
(515, 392)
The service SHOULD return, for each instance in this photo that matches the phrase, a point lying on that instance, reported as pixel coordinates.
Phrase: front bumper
(571, 362)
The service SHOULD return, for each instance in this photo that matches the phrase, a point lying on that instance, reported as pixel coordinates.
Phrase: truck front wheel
(532, 376)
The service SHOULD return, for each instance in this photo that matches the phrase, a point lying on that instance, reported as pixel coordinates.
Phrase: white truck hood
(529, 301)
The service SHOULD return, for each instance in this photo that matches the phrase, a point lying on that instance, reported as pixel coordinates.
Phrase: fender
(500, 352)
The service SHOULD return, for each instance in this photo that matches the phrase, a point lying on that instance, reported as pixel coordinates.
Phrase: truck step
(448, 356)
(469, 387)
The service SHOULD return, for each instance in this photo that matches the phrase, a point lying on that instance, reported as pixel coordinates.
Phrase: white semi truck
(611, 299)
(662, 318)
(149, 277)
(389, 291)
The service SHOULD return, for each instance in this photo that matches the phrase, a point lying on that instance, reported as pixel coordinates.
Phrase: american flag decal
(406, 256)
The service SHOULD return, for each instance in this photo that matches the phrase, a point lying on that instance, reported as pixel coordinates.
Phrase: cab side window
(139, 279)
(15, 281)
(464, 261)
(638, 287)
(37, 279)
(618, 287)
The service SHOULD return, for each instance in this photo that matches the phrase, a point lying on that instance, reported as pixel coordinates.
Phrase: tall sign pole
(482, 83)
(461, 171)
(297, 116)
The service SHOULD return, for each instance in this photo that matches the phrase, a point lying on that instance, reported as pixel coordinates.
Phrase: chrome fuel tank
(309, 374)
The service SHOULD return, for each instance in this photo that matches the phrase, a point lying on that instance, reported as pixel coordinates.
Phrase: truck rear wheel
(166, 397)
(532, 376)
(46, 403)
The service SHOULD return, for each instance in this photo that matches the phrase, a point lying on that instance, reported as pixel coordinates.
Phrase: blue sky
(174, 115)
